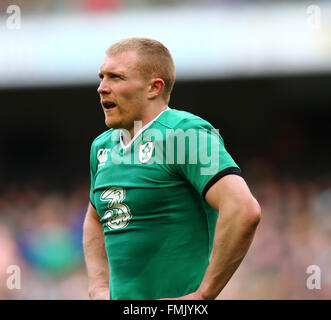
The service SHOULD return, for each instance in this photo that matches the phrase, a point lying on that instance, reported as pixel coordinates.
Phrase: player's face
(123, 90)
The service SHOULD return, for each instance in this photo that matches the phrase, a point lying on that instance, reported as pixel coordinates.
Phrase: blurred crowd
(41, 232)
(73, 6)
(294, 234)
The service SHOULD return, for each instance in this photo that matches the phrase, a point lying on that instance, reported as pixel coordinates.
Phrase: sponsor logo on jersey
(117, 217)
(118, 214)
(146, 151)
(102, 156)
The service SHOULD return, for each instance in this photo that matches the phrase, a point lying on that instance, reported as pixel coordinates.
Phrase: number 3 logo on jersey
(118, 215)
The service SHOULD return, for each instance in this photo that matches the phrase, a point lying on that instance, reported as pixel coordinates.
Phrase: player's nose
(103, 88)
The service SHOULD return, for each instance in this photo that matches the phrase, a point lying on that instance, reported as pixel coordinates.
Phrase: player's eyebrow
(118, 74)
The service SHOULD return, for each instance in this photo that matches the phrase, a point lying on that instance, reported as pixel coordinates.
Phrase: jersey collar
(139, 132)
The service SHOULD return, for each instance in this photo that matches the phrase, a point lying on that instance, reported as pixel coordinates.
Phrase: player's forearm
(95, 255)
(233, 235)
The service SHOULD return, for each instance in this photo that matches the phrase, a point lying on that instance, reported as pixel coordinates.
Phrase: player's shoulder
(180, 119)
(101, 138)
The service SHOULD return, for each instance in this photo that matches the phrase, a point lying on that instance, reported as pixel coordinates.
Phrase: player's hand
(99, 294)
(192, 296)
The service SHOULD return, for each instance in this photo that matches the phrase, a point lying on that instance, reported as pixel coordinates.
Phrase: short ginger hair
(154, 60)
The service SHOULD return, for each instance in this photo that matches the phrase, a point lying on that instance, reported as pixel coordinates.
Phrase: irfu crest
(146, 151)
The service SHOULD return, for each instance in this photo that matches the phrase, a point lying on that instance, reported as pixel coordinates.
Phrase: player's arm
(95, 256)
(239, 215)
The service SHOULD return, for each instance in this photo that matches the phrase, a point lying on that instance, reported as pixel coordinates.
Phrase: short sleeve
(203, 159)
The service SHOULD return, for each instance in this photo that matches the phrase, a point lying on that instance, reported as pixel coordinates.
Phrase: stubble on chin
(108, 123)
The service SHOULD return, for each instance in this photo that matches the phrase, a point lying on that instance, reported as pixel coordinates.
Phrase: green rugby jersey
(150, 198)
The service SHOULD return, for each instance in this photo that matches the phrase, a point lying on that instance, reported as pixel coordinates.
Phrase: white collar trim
(139, 131)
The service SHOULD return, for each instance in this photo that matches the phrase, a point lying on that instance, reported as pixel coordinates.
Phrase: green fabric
(158, 228)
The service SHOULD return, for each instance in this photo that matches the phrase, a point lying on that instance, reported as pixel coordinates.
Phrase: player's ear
(156, 88)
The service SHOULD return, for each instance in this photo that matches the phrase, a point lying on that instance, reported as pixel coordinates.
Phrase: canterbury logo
(102, 156)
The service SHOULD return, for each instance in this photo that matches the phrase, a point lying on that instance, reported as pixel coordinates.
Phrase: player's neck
(149, 115)
(140, 125)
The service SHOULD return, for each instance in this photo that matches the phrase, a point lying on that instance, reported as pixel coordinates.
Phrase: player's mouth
(108, 105)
